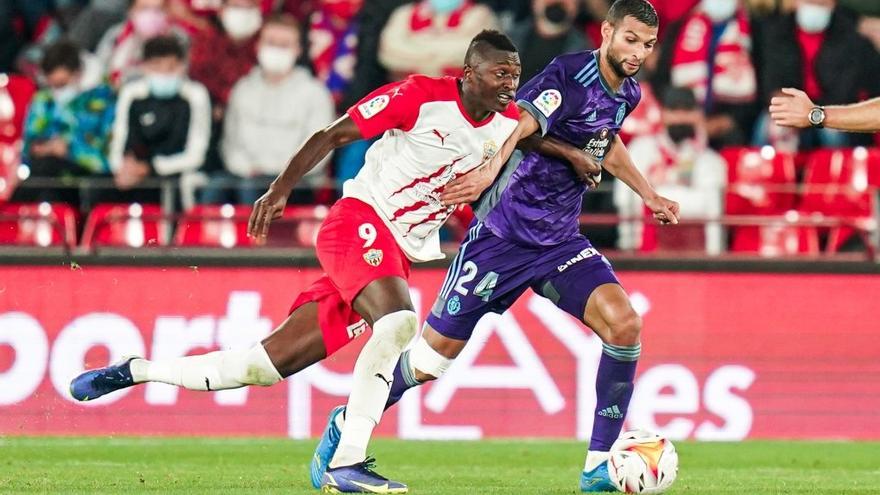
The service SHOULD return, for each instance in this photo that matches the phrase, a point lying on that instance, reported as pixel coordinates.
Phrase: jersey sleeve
(393, 106)
(545, 96)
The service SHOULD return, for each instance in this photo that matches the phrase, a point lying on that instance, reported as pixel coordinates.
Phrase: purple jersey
(537, 199)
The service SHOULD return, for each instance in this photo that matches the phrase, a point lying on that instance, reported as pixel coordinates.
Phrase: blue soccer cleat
(326, 447)
(597, 480)
(99, 382)
(359, 478)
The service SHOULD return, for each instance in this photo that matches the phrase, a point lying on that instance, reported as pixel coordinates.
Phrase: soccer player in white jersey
(433, 130)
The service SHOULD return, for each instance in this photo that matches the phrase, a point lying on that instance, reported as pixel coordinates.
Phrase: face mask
(64, 95)
(149, 22)
(445, 6)
(275, 60)
(165, 85)
(241, 22)
(556, 14)
(719, 10)
(680, 132)
(813, 18)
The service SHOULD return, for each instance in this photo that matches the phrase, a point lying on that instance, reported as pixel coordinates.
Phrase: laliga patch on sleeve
(548, 101)
(374, 106)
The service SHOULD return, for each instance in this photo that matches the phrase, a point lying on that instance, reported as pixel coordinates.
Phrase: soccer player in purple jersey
(526, 234)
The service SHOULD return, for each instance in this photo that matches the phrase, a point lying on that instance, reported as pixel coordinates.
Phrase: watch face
(817, 115)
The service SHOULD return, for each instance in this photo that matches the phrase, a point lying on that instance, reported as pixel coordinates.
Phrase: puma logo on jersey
(441, 136)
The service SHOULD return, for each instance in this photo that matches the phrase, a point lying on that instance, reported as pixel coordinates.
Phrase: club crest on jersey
(453, 306)
(548, 101)
(621, 113)
(373, 257)
(489, 149)
(374, 106)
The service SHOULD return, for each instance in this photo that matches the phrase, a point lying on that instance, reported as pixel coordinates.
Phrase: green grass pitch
(258, 466)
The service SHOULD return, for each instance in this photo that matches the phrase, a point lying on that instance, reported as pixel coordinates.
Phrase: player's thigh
(362, 259)
(487, 275)
(298, 342)
(578, 278)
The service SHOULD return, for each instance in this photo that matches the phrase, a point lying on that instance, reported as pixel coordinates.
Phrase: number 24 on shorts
(483, 289)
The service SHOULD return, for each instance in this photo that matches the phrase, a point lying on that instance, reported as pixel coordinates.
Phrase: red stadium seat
(37, 224)
(841, 183)
(758, 178)
(226, 226)
(214, 226)
(124, 225)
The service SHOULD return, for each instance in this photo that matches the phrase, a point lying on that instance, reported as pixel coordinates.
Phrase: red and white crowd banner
(725, 357)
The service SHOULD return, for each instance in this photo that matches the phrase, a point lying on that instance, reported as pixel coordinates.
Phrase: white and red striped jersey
(428, 140)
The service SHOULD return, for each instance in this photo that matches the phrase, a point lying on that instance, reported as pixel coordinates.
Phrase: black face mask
(556, 13)
(680, 132)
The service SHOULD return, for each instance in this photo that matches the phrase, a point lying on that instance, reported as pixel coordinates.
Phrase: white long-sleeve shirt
(267, 123)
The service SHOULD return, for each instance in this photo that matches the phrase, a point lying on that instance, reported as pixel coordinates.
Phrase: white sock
(594, 458)
(373, 373)
(220, 370)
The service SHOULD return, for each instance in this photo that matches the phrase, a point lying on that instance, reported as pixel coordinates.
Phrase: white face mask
(813, 18)
(276, 60)
(719, 10)
(241, 22)
(64, 95)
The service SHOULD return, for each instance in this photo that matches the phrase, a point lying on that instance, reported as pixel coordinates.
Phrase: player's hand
(586, 167)
(269, 207)
(791, 108)
(665, 210)
(468, 187)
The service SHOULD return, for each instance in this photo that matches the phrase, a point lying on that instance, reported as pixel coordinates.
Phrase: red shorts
(355, 248)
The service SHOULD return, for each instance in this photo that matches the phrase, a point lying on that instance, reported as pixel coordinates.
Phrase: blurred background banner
(726, 357)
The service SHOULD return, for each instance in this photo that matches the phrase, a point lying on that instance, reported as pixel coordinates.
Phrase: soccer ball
(642, 462)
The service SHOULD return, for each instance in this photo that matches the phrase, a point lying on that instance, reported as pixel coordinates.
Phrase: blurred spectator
(121, 48)
(163, 120)
(431, 36)
(67, 128)
(679, 164)
(92, 23)
(15, 95)
(333, 33)
(710, 51)
(547, 34)
(272, 112)
(198, 15)
(818, 49)
(225, 51)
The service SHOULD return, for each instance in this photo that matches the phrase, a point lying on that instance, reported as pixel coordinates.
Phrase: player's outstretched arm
(271, 204)
(619, 163)
(469, 187)
(792, 109)
(584, 164)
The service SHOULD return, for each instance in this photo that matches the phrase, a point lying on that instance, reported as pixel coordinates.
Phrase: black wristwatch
(817, 117)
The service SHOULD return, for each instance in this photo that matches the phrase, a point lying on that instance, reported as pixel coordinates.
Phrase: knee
(427, 363)
(251, 367)
(398, 327)
(625, 330)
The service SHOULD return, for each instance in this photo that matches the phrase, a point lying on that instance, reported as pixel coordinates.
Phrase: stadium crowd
(216, 95)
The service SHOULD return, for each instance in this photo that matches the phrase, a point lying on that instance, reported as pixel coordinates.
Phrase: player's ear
(467, 73)
(607, 31)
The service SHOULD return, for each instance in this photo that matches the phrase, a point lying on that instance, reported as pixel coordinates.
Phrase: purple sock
(403, 380)
(614, 389)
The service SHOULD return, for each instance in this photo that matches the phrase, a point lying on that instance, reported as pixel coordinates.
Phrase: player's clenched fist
(269, 207)
(665, 210)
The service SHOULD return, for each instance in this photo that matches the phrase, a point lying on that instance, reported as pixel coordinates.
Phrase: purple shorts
(489, 274)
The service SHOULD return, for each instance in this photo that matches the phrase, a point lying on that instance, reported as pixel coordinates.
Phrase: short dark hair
(678, 98)
(283, 19)
(63, 54)
(164, 46)
(491, 38)
(640, 10)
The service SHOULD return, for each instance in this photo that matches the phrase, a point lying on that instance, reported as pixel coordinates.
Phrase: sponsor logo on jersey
(584, 254)
(489, 149)
(599, 144)
(621, 113)
(453, 306)
(355, 329)
(374, 106)
(548, 101)
(373, 257)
